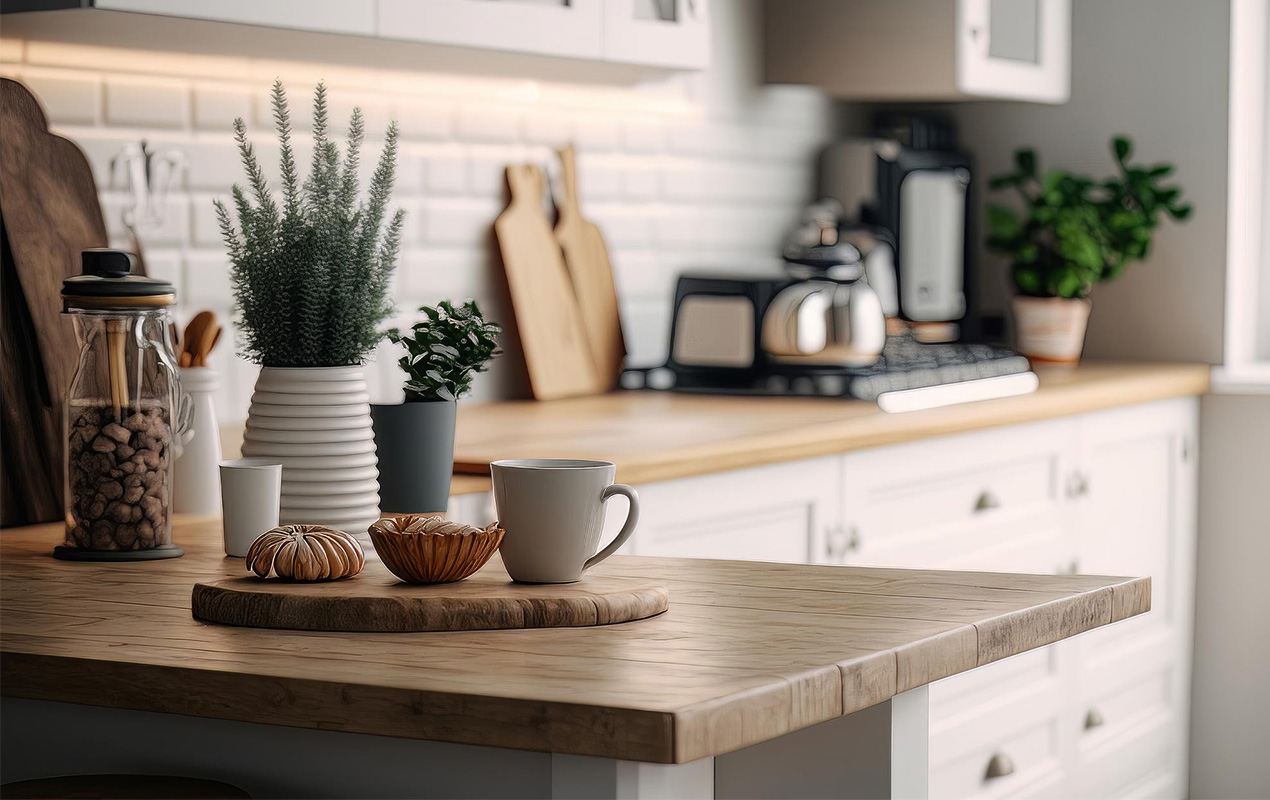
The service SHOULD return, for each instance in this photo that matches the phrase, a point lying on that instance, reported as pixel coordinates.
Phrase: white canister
(196, 482)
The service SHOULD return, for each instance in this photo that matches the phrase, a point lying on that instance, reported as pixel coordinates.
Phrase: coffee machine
(908, 183)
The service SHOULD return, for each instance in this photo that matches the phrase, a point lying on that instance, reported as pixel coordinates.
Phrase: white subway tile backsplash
(423, 119)
(495, 124)
(597, 134)
(487, 168)
(69, 98)
(147, 102)
(216, 106)
(675, 177)
(170, 231)
(640, 183)
(207, 279)
(445, 171)
(642, 136)
(453, 222)
(212, 163)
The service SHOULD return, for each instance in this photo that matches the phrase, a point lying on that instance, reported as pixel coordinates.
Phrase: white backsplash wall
(691, 170)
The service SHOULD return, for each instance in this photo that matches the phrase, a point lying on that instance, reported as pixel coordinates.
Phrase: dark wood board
(50, 212)
(375, 601)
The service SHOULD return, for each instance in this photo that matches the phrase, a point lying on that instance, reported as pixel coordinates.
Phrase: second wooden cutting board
(547, 315)
(588, 261)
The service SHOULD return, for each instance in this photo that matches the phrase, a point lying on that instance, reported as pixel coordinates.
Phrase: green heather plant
(1077, 231)
(310, 274)
(444, 349)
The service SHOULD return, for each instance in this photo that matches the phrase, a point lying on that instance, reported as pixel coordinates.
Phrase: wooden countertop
(747, 651)
(656, 436)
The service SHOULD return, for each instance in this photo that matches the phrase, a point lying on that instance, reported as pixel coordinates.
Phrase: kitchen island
(760, 680)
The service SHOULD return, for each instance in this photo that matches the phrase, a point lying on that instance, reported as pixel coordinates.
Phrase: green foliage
(444, 349)
(1077, 231)
(310, 279)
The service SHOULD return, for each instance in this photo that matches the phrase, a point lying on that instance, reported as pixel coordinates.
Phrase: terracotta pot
(1051, 329)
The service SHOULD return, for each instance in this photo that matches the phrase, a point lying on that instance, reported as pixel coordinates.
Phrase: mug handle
(628, 527)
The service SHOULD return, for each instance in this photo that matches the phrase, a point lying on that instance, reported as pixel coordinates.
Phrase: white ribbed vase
(315, 421)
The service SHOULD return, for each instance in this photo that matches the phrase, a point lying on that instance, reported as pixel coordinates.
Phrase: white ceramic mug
(553, 512)
(251, 495)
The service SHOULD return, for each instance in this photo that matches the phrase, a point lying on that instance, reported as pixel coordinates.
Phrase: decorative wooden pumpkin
(421, 549)
(305, 553)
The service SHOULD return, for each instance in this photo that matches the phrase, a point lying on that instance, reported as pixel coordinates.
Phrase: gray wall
(1156, 71)
(1230, 704)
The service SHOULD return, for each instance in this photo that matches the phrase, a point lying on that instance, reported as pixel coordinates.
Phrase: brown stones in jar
(119, 478)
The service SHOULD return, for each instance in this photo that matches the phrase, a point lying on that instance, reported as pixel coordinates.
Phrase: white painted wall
(705, 168)
(1157, 71)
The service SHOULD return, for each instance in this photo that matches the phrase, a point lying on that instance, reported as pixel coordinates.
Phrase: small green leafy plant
(1077, 231)
(444, 349)
(310, 278)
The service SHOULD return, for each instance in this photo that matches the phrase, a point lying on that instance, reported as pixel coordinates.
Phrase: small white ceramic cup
(552, 510)
(251, 492)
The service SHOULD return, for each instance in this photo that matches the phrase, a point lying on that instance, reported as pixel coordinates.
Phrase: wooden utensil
(50, 214)
(547, 315)
(203, 347)
(588, 262)
(194, 331)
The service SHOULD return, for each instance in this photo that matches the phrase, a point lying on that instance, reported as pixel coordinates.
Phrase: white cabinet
(661, 34)
(658, 33)
(569, 28)
(773, 513)
(328, 16)
(923, 49)
(1112, 492)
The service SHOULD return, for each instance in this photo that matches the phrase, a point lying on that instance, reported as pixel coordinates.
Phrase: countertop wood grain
(657, 436)
(746, 652)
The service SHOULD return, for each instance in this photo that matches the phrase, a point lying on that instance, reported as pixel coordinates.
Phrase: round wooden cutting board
(376, 601)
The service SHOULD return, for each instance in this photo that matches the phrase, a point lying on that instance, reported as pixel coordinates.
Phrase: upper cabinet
(568, 28)
(658, 33)
(329, 16)
(663, 34)
(922, 50)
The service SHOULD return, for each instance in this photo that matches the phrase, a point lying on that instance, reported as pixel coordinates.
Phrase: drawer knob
(1093, 719)
(838, 541)
(986, 502)
(999, 766)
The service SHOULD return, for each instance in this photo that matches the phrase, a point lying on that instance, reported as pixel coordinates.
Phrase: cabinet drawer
(970, 693)
(1030, 543)
(902, 491)
(773, 513)
(1022, 736)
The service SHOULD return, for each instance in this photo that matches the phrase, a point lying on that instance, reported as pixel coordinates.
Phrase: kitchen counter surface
(747, 652)
(656, 436)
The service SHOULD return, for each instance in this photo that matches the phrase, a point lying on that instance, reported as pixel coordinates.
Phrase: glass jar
(124, 413)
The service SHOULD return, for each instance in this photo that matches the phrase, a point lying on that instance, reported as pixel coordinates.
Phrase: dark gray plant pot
(415, 442)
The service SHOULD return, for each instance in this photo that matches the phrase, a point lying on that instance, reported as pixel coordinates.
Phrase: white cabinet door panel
(658, 33)
(572, 28)
(1016, 49)
(773, 513)
(330, 16)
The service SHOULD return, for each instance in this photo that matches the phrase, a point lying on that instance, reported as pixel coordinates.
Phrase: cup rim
(250, 463)
(546, 464)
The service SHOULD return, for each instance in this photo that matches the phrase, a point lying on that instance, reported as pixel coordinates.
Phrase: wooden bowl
(421, 549)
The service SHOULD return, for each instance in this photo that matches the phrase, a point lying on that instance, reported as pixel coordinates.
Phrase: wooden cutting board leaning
(588, 261)
(552, 334)
(48, 201)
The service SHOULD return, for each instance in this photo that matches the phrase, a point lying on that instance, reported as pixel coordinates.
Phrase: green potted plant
(444, 350)
(1074, 232)
(310, 272)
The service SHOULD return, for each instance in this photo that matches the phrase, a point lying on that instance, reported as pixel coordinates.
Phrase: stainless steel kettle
(831, 316)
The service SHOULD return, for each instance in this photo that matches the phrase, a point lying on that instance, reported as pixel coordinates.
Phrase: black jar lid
(107, 282)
